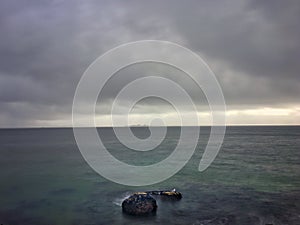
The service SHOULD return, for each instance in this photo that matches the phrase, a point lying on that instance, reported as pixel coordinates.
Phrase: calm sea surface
(255, 179)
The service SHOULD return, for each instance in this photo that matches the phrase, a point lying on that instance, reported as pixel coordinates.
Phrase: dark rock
(168, 195)
(139, 204)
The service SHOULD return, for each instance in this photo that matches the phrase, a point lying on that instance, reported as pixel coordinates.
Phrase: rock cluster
(142, 203)
(171, 195)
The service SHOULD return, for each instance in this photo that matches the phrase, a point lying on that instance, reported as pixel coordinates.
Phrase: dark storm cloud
(45, 46)
(258, 41)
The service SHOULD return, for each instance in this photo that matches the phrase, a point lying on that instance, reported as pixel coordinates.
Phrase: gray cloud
(45, 46)
(256, 42)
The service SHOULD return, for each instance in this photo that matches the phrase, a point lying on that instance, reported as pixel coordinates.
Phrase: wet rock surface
(139, 204)
(167, 195)
(143, 203)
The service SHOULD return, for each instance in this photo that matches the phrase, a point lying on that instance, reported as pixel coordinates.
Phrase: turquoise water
(255, 179)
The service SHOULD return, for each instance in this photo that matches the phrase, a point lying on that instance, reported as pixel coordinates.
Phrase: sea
(255, 179)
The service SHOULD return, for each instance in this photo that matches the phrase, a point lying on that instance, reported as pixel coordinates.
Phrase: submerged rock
(138, 204)
(170, 195)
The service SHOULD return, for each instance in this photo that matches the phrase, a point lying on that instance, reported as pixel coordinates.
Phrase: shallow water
(254, 179)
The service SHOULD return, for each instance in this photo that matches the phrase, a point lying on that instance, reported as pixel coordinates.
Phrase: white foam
(118, 201)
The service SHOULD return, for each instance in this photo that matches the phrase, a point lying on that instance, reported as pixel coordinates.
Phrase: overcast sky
(253, 47)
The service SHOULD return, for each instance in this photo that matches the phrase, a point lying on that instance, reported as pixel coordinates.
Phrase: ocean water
(255, 179)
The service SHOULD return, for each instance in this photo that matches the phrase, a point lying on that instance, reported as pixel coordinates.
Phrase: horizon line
(143, 126)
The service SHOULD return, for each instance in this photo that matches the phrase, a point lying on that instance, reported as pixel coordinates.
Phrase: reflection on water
(254, 179)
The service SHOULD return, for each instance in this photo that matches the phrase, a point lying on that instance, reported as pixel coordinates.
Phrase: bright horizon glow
(258, 116)
(261, 116)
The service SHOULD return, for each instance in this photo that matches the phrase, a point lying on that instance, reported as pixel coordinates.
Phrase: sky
(253, 48)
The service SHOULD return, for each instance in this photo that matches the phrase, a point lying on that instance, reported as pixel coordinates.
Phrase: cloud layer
(45, 46)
